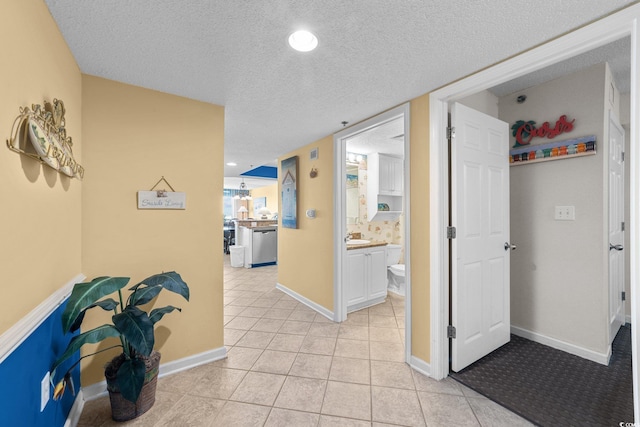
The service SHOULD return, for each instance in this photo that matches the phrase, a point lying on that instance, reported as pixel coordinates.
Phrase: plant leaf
(144, 294)
(130, 378)
(90, 337)
(157, 313)
(85, 294)
(107, 305)
(171, 281)
(136, 327)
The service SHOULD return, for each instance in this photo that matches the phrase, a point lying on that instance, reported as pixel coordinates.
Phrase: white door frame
(614, 122)
(616, 26)
(340, 220)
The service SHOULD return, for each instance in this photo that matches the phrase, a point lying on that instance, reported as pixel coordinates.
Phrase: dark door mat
(550, 387)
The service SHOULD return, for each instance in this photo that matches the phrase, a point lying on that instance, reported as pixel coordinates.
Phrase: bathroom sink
(358, 242)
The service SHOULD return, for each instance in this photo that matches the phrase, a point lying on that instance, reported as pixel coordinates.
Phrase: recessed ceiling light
(303, 41)
(232, 164)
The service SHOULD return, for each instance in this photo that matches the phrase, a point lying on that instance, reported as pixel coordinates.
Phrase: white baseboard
(76, 411)
(312, 305)
(15, 335)
(94, 391)
(585, 353)
(420, 366)
(97, 390)
(192, 361)
(627, 319)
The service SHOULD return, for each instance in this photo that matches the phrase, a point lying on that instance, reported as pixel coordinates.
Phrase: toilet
(395, 271)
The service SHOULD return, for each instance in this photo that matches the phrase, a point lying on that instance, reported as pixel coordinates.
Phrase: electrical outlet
(565, 213)
(44, 391)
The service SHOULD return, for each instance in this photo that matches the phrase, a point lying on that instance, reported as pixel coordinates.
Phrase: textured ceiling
(387, 138)
(372, 55)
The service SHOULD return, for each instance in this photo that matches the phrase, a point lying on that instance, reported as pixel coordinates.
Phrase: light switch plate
(44, 391)
(565, 213)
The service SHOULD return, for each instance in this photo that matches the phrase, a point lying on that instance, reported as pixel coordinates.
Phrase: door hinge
(451, 232)
(624, 296)
(622, 226)
(451, 132)
(451, 331)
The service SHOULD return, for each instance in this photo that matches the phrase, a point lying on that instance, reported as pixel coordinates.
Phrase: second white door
(481, 250)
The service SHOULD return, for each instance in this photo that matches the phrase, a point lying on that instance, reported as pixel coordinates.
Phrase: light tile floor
(289, 366)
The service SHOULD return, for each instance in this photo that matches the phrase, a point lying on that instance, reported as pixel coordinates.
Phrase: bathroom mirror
(352, 193)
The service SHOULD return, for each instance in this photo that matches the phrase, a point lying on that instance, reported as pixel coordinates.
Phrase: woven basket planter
(121, 408)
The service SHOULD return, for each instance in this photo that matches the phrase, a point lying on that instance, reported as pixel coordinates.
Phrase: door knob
(616, 247)
(507, 246)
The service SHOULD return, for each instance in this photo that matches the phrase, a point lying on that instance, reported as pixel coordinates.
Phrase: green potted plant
(131, 376)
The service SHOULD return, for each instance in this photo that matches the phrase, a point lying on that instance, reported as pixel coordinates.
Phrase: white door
(481, 249)
(616, 228)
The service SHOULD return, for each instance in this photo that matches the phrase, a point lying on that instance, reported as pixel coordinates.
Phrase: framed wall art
(258, 203)
(289, 174)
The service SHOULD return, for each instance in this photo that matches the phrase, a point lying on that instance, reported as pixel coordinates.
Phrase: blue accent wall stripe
(22, 371)
(262, 172)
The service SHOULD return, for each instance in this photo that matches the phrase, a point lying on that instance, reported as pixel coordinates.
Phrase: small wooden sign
(162, 200)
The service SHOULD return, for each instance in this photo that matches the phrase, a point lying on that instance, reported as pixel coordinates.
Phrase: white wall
(559, 279)
(484, 101)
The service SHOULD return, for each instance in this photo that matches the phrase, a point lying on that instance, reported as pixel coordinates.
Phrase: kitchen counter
(371, 244)
(253, 223)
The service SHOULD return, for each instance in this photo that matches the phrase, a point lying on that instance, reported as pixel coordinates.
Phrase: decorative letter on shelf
(162, 199)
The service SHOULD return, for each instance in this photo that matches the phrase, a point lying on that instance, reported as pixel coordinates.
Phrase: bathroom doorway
(371, 184)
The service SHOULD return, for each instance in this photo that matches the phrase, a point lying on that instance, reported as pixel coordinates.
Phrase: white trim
(627, 319)
(312, 305)
(439, 211)
(76, 411)
(340, 250)
(420, 365)
(407, 232)
(95, 391)
(192, 361)
(99, 389)
(15, 335)
(585, 353)
(618, 25)
(339, 227)
(634, 191)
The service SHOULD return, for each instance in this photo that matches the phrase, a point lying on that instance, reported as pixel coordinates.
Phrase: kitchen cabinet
(366, 277)
(385, 177)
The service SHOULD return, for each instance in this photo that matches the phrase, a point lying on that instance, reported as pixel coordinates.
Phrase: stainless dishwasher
(265, 246)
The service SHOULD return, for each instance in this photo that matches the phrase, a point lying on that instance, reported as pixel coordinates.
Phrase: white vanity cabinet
(366, 277)
(384, 186)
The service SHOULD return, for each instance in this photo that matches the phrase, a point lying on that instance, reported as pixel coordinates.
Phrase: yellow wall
(270, 192)
(127, 137)
(133, 136)
(305, 254)
(420, 289)
(40, 225)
